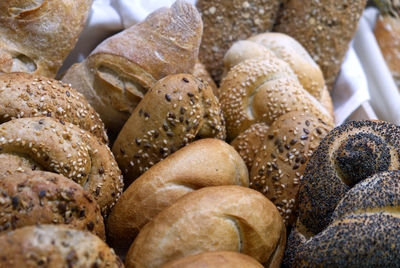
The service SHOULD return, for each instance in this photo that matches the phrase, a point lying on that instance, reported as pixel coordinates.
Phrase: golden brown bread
(279, 164)
(324, 27)
(65, 149)
(232, 218)
(55, 246)
(262, 89)
(228, 21)
(201, 72)
(176, 111)
(39, 197)
(206, 162)
(117, 74)
(215, 259)
(28, 95)
(37, 35)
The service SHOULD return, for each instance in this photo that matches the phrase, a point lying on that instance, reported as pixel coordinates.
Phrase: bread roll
(232, 218)
(346, 156)
(215, 259)
(279, 164)
(39, 197)
(176, 111)
(363, 232)
(55, 246)
(36, 36)
(201, 72)
(228, 21)
(324, 27)
(28, 95)
(65, 149)
(262, 89)
(206, 162)
(118, 73)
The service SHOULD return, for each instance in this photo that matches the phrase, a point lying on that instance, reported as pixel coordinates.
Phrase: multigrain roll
(28, 95)
(215, 259)
(346, 156)
(39, 197)
(228, 21)
(201, 72)
(363, 232)
(177, 110)
(34, 36)
(324, 27)
(206, 162)
(45, 143)
(280, 162)
(55, 246)
(232, 218)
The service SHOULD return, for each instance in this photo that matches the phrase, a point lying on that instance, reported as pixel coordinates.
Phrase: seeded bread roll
(55, 246)
(346, 156)
(228, 21)
(118, 73)
(324, 27)
(262, 89)
(279, 164)
(65, 149)
(176, 111)
(363, 232)
(28, 95)
(231, 218)
(206, 162)
(215, 259)
(34, 37)
(39, 197)
(201, 72)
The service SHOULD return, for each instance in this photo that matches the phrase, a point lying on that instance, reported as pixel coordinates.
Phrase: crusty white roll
(55, 246)
(215, 259)
(206, 162)
(177, 110)
(232, 218)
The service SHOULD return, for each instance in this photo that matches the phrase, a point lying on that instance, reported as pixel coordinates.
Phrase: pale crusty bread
(206, 162)
(65, 149)
(215, 259)
(28, 95)
(55, 246)
(37, 35)
(232, 218)
(39, 197)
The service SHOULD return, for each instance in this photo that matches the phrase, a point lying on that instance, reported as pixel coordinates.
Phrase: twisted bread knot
(363, 231)
(232, 218)
(177, 110)
(45, 143)
(347, 155)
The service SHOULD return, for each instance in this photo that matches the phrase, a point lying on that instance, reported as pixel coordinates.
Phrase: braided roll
(45, 143)
(55, 246)
(39, 197)
(28, 95)
(363, 231)
(232, 218)
(206, 162)
(177, 110)
(346, 156)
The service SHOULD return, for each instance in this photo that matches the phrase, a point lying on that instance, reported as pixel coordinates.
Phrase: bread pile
(194, 174)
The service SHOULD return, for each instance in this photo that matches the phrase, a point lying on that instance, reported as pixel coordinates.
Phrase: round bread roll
(55, 246)
(28, 95)
(231, 218)
(215, 259)
(65, 149)
(206, 162)
(173, 113)
(201, 72)
(281, 159)
(363, 232)
(39, 197)
(262, 89)
(346, 156)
